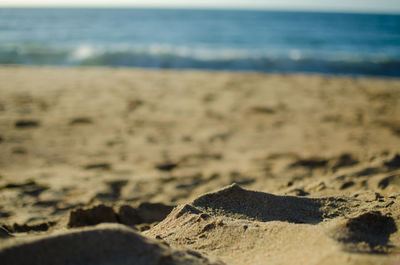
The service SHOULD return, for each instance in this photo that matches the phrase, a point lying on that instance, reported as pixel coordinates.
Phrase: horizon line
(234, 8)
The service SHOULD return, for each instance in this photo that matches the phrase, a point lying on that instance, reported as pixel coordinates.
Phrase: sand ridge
(237, 224)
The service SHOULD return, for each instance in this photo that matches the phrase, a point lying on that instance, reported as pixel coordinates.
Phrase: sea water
(267, 41)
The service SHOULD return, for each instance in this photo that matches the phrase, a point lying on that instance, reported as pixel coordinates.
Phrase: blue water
(267, 41)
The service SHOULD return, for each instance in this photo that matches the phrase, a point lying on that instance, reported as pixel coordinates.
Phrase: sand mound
(104, 244)
(145, 213)
(92, 216)
(248, 227)
(236, 202)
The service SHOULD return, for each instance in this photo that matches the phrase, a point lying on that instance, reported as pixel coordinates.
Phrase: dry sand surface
(191, 167)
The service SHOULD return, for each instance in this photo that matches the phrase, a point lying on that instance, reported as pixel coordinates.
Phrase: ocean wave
(168, 57)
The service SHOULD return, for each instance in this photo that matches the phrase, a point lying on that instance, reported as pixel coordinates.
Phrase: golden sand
(315, 161)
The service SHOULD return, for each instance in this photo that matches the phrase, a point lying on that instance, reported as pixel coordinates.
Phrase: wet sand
(196, 167)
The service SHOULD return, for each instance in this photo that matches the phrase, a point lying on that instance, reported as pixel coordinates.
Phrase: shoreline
(183, 70)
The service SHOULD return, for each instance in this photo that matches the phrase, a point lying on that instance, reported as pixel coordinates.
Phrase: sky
(387, 6)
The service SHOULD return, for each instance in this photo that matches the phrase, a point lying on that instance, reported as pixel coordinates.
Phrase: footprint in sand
(81, 121)
(25, 124)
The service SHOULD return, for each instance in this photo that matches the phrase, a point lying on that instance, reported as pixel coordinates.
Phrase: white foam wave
(82, 52)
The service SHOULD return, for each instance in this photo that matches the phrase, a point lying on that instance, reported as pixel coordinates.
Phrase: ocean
(265, 41)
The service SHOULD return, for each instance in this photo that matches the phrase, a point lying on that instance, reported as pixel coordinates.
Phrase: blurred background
(358, 38)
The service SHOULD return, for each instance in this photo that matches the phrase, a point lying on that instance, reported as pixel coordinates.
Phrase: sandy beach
(132, 166)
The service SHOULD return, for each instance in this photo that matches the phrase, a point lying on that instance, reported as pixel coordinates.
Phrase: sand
(132, 166)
